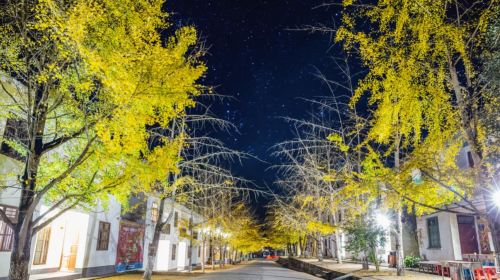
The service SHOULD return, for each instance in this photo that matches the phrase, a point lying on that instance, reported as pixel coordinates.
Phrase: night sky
(255, 57)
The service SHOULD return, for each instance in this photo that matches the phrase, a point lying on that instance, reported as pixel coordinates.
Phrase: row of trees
(101, 100)
(429, 87)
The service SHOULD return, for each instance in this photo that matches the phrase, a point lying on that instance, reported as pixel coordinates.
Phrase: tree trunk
(190, 248)
(399, 219)
(399, 244)
(153, 246)
(364, 262)
(212, 255)
(319, 245)
(23, 230)
(338, 242)
(203, 256)
(20, 258)
(221, 255)
(301, 247)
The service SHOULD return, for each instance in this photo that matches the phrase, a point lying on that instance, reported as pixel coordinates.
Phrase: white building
(88, 243)
(103, 241)
(449, 235)
(177, 244)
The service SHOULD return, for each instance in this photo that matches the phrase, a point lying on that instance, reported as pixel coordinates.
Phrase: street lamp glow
(382, 220)
(496, 198)
(205, 230)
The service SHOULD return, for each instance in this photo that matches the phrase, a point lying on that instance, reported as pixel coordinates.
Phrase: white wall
(448, 232)
(110, 215)
(70, 228)
(164, 260)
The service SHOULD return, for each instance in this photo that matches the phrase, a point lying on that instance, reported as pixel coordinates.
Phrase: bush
(411, 261)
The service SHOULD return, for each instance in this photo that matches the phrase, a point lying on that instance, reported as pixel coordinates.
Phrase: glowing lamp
(496, 198)
(382, 220)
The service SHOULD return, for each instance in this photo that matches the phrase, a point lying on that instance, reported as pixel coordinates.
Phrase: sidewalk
(385, 273)
(174, 275)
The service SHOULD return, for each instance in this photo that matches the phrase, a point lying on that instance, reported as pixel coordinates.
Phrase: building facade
(453, 234)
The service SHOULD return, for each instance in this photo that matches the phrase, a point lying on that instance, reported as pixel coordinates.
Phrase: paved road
(258, 270)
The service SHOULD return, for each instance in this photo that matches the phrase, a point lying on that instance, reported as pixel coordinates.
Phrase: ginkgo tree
(427, 99)
(202, 173)
(84, 81)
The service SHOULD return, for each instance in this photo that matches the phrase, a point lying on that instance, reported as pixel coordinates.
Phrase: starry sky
(258, 57)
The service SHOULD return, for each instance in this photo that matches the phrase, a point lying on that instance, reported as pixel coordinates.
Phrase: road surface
(258, 270)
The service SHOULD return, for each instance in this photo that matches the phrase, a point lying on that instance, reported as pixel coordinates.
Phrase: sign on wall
(129, 255)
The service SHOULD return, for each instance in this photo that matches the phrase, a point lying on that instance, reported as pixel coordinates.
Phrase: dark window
(174, 251)
(470, 160)
(199, 252)
(183, 229)
(16, 130)
(195, 235)
(166, 229)
(6, 233)
(176, 219)
(154, 213)
(103, 236)
(433, 233)
(42, 246)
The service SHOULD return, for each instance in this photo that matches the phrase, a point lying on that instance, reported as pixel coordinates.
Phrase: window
(433, 233)
(189, 251)
(154, 213)
(174, 251)
(470, 160)
(15, 130)
(183, 230)
(176, 219)
(195, 235)
(166, 229)
(103, 236)
(6, 233)
(42, 246)
(199, 252)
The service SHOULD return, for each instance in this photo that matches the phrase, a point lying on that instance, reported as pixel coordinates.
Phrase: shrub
(411, 261)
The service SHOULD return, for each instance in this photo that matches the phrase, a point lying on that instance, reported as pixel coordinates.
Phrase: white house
(175, 248)
(450, 235)
(90, 243)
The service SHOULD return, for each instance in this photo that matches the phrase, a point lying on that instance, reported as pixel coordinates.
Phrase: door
(70, 250)
(467, 234)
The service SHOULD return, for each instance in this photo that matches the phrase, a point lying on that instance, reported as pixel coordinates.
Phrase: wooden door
(73, 250)
(467, 234)
(70, 251)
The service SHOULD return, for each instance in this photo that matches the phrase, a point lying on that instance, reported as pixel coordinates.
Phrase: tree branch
(61, 140)
(5, 219)
(51, 219)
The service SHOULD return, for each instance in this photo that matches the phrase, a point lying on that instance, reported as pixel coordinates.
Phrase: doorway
(467, 234)
(70, 249)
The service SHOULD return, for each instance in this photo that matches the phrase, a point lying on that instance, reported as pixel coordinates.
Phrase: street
(265, 270)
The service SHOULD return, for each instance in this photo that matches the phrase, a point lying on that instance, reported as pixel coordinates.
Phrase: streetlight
(496, 198)
(383, 220)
